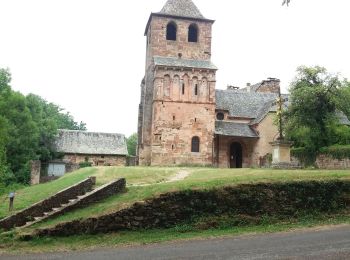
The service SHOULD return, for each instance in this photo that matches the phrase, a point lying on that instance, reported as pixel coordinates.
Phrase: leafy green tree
(343, 102)
(28, 126)
(131, 143)
(311, 120)
(48, 118)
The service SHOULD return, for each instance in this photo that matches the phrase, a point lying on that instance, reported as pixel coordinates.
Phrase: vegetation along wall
(283, 200)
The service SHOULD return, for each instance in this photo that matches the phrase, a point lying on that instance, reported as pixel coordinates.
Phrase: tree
(311, 120)
(343, 102)
(131, 143)
(28, 126)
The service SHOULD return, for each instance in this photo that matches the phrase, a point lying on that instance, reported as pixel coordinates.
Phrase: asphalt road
(325, 243)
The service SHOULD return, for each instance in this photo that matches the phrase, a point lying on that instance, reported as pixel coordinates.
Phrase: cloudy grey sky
(88, 55)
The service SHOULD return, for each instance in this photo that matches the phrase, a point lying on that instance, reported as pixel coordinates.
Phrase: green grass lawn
(147, 182)
(10, 244)
(32, 194)
(199, 178)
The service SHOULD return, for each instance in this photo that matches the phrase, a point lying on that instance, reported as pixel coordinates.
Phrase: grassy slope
(200, 178)
(29, 195)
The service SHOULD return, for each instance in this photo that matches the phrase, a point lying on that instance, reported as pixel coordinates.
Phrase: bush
(85, 164)
(305, 157)
(6, 176)
(337, 151)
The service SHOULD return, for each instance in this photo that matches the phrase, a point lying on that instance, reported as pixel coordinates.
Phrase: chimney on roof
(271, 85)
(229, 87)
(273, 79)
(248, 87)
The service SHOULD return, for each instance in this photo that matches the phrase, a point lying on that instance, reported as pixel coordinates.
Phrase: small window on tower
(196, 89)
(171, 31)
(193, 33)
(183, 88)
(220, 116)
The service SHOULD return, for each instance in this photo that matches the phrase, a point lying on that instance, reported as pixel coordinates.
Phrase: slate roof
(181, 8)
(243, 104)
(343, 119)
(234, 129)
(81, 142)
(184, 63)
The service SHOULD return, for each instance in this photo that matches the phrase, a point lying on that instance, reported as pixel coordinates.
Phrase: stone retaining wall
(324, 161)
(170, 209)
(38, 209)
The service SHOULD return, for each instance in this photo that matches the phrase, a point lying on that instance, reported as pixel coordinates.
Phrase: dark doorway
(236, 157)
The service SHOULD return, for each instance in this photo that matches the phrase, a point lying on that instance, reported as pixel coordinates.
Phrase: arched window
(193, 33)
(195, 144)
(171, 31)
(196, 89)
(166, 85)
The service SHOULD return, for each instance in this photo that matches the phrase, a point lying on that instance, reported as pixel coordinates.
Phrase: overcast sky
(88, 56)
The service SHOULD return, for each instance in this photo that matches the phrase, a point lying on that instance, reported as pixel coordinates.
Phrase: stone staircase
(81, 201)
(54, 212)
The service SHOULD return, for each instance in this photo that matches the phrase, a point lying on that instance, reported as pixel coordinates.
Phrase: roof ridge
(181, 8)
(88, 132)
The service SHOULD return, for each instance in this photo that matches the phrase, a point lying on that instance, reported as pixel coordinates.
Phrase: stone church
(183, 118)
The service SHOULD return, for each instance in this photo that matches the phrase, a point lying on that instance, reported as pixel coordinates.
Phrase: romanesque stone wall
(38, 209)
(158, 45)
(168, 210)
(144, 144)
(174, 127)
(96, 160)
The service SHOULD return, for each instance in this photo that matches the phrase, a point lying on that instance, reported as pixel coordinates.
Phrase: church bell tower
(177, 109)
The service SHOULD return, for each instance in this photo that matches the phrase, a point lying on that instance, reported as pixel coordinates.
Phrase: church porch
(234, 145)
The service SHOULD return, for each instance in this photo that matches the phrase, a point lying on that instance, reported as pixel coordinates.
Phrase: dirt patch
(179, 176)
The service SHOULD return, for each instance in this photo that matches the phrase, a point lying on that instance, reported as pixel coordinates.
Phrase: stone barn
(99, 149)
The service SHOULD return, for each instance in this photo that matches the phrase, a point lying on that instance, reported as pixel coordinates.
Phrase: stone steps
(81, 201)
(22, 217)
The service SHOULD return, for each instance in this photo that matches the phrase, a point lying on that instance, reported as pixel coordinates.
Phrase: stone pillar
(281, 154)
(35, 172)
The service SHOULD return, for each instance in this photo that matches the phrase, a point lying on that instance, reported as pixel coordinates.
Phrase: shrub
(337, 151)
(85, 164)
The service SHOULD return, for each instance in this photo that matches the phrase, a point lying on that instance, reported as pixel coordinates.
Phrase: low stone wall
(96, 195)
(327, 162)
(170, 209)
(38, 209)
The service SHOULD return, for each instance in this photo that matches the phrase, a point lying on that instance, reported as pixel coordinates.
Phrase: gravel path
(179, 176)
